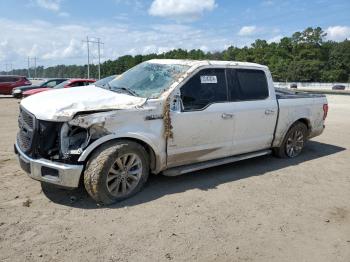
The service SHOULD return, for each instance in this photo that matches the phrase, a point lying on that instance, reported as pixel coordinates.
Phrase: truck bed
(294, 105)
(288, 94)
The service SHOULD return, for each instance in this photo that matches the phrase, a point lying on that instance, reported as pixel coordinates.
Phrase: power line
(99, 43)
(28, 65)
(99, 58)
(35, 67)
(6, 68)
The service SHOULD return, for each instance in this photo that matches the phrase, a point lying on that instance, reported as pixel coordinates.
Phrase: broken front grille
(26, 123)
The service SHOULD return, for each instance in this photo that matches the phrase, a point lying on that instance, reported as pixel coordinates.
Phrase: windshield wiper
(102, 86)
(108, 86)
(128, 90)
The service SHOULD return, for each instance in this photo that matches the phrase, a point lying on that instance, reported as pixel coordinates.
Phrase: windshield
(147, 79)
(102, 82)
(42, 84)
(48, 83)
(62, 84)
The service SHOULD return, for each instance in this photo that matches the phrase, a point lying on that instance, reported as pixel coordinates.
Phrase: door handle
(226, 116)
(269, 112)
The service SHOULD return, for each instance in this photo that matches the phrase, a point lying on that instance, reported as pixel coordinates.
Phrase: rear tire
(116, 171)
(293, 142)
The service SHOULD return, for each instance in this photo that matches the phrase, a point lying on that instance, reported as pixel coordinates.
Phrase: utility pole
(99, 59)
(88, 55)
(6, 68)
(35, 67)
(99, 43)
(88, 49)
(28, 67)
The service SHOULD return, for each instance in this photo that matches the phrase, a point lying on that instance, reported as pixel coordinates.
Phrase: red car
(65, 84)
(7, 83)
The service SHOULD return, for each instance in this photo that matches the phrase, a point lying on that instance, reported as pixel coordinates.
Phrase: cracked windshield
(148, 80)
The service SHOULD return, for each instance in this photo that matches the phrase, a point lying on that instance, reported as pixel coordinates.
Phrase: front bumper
(50, 172)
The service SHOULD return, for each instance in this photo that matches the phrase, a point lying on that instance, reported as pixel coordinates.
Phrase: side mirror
(176, 104)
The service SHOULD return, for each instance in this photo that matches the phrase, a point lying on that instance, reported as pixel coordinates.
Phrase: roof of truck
(198, 63)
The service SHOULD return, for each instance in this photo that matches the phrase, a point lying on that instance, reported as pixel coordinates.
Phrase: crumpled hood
(63, 104)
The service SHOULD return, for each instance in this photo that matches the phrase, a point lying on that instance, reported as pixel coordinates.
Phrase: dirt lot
(265, 209)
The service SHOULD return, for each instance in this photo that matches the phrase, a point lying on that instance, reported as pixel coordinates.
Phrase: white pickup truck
(161, 116)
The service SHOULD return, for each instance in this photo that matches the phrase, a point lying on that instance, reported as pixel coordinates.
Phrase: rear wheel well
(306, 122)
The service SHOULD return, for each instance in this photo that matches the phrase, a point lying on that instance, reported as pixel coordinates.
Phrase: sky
(54, 30)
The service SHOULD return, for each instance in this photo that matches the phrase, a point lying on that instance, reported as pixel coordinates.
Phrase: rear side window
(206, 87)
(252, 84)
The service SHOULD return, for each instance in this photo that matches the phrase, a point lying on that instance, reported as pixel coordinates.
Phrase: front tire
(17, 96)
(116, 171)
(294, 141)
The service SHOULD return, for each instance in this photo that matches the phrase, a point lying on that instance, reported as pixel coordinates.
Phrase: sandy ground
(265, 209)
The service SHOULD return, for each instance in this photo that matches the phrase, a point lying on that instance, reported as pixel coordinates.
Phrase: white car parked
(161, 116)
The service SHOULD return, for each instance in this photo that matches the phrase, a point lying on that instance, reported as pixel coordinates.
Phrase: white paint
(223, 129)
(63, 104)
(219, 130)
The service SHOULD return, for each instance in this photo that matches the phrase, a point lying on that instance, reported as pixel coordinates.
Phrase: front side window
(206, 87)
(148, 80)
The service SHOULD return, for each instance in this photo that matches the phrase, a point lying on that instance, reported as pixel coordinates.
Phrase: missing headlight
(73, 140)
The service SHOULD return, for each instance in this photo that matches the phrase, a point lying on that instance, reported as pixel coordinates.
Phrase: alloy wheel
(124, 175)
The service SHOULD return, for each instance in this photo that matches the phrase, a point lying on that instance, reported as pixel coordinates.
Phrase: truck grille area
(41, 139)
(25, 136)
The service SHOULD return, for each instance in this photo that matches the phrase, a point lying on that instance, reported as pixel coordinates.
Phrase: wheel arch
(306, 122)
(302, 120)
(149, 147)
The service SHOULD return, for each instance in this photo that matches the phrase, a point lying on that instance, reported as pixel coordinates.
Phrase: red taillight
(325, 111)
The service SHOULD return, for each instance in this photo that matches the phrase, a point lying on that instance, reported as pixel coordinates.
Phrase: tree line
(304, 57)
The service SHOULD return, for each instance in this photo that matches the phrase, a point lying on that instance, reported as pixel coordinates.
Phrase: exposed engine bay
(59, 141)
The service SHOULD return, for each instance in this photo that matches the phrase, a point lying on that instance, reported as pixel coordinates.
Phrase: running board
(177, 171)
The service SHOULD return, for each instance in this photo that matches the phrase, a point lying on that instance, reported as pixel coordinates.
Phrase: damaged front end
(61, 141)
(48, 151)
(39, 147)
(80, 132)
(73, 140)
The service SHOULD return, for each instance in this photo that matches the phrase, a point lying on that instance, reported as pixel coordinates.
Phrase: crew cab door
(203, 129)
(254, 107)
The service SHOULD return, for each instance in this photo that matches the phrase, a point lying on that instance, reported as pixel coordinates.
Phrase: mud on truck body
(162, 116)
